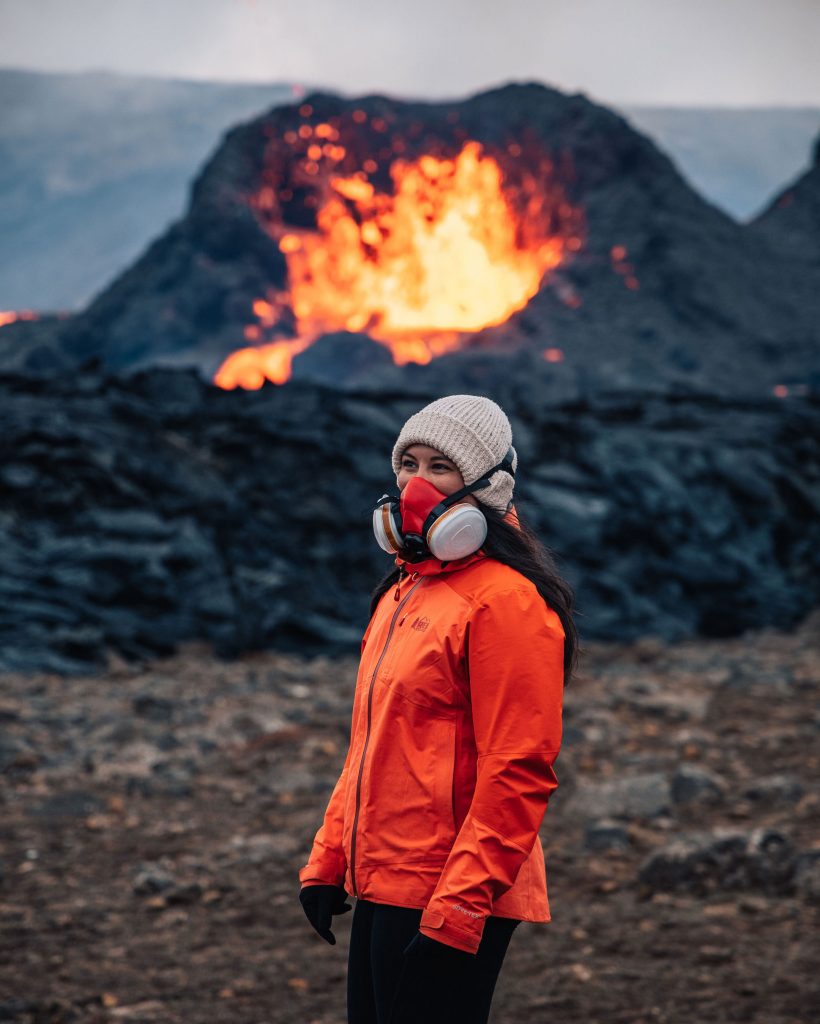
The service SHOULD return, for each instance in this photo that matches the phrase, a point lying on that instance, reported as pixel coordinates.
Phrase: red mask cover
(418, 499)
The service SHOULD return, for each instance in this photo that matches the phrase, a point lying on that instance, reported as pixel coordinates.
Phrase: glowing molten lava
(10, 316)
(453, 248)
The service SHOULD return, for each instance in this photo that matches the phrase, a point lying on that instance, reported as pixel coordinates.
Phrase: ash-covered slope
(791, 223)
(664, 290)
(138, 513)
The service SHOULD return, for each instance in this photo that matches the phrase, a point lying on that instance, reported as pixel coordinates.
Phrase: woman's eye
(436, 466)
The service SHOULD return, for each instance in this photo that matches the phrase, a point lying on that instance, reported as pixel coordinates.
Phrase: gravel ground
(154, 819)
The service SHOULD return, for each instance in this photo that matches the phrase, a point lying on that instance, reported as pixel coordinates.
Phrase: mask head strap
(506, 465)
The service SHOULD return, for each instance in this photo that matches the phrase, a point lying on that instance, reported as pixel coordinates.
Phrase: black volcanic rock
(34, 347)
(665, 290)
(341, 356)
(138, 512)
(723, 859)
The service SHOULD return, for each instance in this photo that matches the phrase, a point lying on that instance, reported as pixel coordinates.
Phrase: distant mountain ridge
(93, 167)
(737, 159)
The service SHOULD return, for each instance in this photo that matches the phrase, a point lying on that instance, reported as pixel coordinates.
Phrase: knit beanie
(474, 433)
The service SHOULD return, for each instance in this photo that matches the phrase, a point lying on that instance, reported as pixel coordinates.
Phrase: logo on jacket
(472, 913)
(420, 624)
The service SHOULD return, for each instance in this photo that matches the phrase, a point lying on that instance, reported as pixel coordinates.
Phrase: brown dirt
(214, 776)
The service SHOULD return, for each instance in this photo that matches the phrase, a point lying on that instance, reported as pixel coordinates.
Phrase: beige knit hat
(474, 433)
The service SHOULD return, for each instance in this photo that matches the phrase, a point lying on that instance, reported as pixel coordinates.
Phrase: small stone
(631, 796)
(775, 789)
(807, 876)
(153, 878)
(606, 834)
(715, 954)
(696, 785)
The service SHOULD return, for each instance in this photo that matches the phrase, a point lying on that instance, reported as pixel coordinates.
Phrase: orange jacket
(456, 725)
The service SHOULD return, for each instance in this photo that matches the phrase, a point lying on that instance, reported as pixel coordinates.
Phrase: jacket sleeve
(515, 661)
(327, 863)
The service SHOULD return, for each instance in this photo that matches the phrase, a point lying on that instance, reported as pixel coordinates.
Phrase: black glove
(430, 985)
(319, 903)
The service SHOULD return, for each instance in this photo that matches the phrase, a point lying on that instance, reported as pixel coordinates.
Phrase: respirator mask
(424, 522)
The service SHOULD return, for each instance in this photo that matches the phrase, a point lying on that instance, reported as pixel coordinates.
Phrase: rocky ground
(154, 821)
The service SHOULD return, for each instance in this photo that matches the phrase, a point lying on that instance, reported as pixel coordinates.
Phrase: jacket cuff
(435, 925)
(326, 871)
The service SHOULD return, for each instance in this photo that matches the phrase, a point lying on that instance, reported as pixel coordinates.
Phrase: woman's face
(428, 463)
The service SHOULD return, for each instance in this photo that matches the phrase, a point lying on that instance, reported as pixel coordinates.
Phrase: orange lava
(10, 316)
(447, 252)
(251, 367)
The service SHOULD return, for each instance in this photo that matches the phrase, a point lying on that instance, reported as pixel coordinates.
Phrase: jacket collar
(434, 567)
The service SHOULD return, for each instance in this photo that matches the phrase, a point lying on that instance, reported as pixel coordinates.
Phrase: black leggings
(378, 936)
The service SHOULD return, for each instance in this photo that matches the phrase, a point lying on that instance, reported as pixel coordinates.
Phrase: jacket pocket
(409, 796)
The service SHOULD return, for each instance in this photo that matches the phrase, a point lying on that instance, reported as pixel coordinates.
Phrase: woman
(433, 823)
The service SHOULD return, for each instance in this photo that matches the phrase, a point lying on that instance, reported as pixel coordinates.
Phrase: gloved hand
(429, 988)
(319, 902)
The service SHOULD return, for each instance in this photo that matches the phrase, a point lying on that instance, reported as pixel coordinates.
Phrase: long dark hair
(520, 548)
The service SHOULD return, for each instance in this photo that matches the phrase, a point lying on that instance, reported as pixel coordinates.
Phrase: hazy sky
(690, 52)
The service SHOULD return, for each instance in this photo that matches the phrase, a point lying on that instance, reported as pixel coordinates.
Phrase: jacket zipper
(367, 735)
